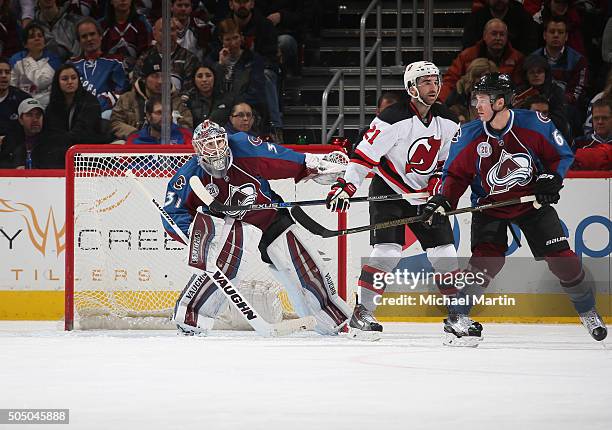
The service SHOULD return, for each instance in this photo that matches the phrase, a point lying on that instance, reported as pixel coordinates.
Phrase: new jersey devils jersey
(504, 166)
(403, 149)
(246, 182)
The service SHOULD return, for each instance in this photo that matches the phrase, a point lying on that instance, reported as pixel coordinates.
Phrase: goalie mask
(416, 70)
(212, 148)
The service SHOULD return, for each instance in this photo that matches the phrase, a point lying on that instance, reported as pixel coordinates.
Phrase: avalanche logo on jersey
(510, 170)
(423, 155)
(243, 195)
(254, 140)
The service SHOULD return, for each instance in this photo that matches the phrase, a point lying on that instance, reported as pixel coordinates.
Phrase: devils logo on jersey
(510, 170)
(243, 195)
(423, 156)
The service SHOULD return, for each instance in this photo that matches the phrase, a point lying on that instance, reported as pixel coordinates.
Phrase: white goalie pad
(309, 284)
(213, 243)
(326, 169)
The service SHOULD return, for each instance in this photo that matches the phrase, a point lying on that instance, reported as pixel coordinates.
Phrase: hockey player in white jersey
(405, 147)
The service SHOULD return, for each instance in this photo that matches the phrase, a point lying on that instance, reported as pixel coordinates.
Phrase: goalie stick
(233, 295)
(200, 190)
(314, 227)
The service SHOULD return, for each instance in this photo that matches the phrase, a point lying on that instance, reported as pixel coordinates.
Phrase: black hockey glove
(434, 209)
(547, 187)
(337, 198)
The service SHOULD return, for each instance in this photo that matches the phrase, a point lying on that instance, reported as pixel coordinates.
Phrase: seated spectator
(17, 148)
(242, 118)
(536, 103)
(150, 134)
(9, 35)
(289, 18)
(73, 114)
(569, 68)
(605, 94)
(182, 62)
(128, 114)
(562, 9)
(206, 99)
(538, 80)
(126, 33)
(462, 94)
(242, 70)
(10, 98)
(33, 68)
(102, 76)
(595, 152)
(521, 29)
(90, 8)
(195, 29)
(494, 46)
(59, 26)
(261, 36)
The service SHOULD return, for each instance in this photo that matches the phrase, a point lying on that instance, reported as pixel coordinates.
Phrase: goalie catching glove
(435, 208)
(325, 169)
(337, 198)
(547, 187)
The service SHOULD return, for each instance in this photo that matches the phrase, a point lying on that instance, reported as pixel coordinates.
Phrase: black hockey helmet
(496, 85)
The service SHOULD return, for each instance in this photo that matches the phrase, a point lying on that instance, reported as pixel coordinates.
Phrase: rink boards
(32, 240)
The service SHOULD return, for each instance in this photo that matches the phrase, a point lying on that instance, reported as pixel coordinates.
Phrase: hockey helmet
(212, 148)
(495, 85)
(417, 70)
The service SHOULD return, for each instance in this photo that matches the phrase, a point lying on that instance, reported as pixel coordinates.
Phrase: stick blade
(200, 190)
(288, 327)
(309, 224)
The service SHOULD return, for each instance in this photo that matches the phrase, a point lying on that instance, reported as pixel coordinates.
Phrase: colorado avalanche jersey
(103, 77)
(246, 182)
(403, 149)
(501, 166)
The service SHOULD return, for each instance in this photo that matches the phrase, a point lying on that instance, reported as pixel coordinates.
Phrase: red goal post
(120, 264)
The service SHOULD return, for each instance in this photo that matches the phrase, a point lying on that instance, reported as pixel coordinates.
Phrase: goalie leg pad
(309, 285)
(383, 259)
(201, 301)
(197, 305)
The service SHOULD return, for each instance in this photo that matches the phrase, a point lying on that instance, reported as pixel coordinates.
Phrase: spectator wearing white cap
(19, 148)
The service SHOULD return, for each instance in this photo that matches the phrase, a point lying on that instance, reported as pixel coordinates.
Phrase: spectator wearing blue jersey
(150, 134)
(34, 67)
(101, 75)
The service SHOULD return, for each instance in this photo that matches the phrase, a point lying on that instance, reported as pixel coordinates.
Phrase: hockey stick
(314, 227)
(200, 190)
(236, 299)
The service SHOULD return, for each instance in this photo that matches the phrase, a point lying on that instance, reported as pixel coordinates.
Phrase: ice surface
(521, 377)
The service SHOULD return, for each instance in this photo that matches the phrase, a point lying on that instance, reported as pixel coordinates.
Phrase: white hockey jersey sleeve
(376, 142)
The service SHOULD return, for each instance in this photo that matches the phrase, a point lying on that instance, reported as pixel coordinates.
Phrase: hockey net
(123, 271)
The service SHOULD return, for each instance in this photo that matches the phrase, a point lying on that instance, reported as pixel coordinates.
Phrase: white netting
(127, 270)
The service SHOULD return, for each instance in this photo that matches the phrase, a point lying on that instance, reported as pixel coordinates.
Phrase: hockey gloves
(547, 187)
(434, 210)
(337, 198)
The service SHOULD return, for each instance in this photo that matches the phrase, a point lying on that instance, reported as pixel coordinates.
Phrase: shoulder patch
(457, 136)
(179, 183)
(254, 140)
(542, 118)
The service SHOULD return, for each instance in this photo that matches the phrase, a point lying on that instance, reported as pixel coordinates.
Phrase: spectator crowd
(89, 71)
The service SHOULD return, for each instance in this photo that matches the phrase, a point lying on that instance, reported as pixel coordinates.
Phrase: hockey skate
(204, 327)
(363, 325)
(594, 324)
(461, 330)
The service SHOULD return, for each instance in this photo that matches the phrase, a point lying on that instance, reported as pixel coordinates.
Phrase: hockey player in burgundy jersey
(505, 154)
(236, 171)
(405, 147)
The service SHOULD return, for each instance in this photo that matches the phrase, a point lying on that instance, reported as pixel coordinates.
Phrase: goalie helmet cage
(120, 264)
